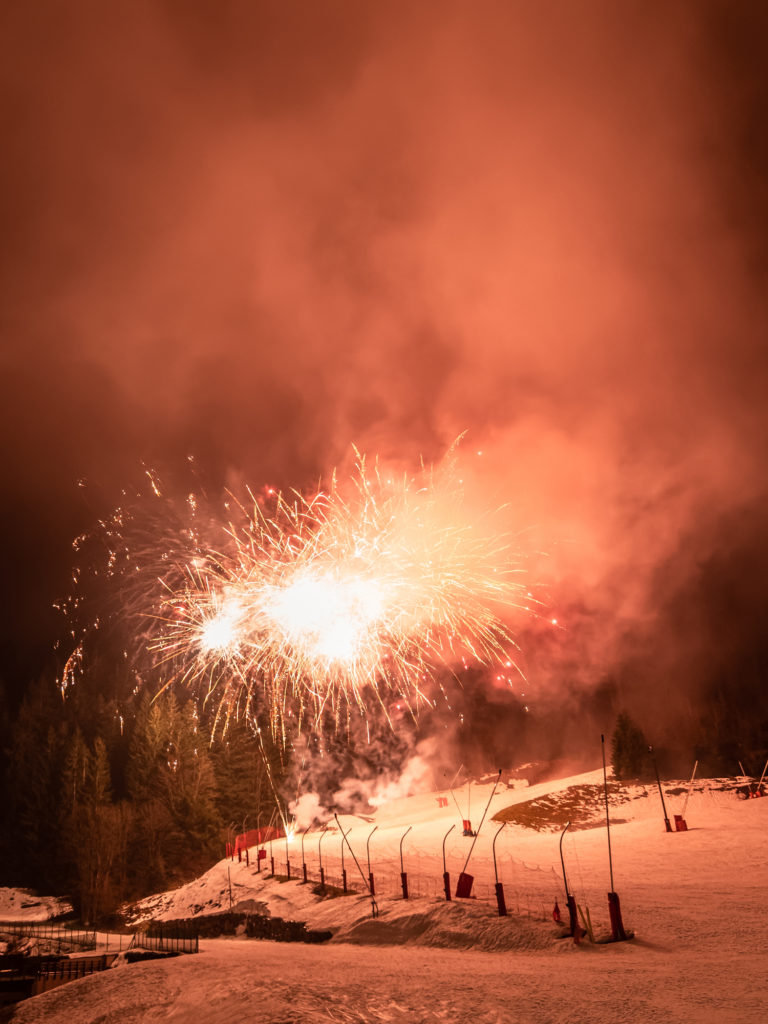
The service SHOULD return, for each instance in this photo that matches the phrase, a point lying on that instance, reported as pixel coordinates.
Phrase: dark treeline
(107, 797)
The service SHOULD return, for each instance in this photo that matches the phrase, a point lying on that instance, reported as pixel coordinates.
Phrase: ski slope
(694, 901)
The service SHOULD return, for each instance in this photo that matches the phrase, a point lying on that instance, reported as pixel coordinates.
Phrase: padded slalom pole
(464, 885)
(446, 876)
(303, 862)
(374, 907)
(403, 872)
(500, 901)
(574, 928)
(661, 794)
(320, 858)
(573, 919)
(614, 907)
(617, 925)
(371, 887)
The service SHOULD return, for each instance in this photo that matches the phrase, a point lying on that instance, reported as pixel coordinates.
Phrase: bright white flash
(220, 632)
(327, 617)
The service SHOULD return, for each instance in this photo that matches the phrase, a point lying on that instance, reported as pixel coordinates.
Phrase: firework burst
(354, 596)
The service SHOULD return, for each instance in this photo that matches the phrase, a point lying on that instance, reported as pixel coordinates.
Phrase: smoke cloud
(261, 232)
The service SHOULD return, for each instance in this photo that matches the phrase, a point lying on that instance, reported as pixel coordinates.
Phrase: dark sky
(259, 232)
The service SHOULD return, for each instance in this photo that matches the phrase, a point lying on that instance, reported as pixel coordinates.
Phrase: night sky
(260, 232)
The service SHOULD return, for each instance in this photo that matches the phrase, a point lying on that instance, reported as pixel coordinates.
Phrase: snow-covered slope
(694, 900)
(21, 905)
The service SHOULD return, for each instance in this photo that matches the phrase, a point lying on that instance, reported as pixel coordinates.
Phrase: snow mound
(446, 925)
(23, 905)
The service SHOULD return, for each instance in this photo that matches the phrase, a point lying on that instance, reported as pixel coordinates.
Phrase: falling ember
(334, 600)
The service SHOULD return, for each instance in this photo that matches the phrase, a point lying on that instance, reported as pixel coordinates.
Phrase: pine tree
(146, 757)
(244, 794)
(97, 832)
(629, 749)
(172, 783)
(33, 786)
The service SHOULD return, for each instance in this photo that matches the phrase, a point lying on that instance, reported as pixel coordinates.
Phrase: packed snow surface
(692, 899)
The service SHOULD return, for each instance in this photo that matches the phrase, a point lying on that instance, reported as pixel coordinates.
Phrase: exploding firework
(305, 606)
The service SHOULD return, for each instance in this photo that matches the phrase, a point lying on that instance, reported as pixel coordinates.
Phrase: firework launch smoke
(260, 232)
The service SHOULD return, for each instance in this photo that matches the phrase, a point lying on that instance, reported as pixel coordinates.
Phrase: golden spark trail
(340, 600)
(306, 606)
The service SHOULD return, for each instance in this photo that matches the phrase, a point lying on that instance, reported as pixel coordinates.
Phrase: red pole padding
(404, 883)
(617, 925)
(370, 884)
(500, 901)
(447, 884)
(573, 920)
(464, 886)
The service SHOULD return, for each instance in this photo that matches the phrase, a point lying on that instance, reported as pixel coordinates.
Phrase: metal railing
(167, 938)
(56, 937)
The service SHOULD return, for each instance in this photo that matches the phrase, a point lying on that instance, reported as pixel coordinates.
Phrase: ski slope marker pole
(446, 876)
(374, 908)
(493, 793)
(570, 899)
(403, 874)
(690, 787)
(614, 906)
(368, 854)
(661, 793)
(320, 858)
(607, 815)
(500, 901)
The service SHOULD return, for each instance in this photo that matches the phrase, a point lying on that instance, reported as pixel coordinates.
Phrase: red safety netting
(257, 837)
